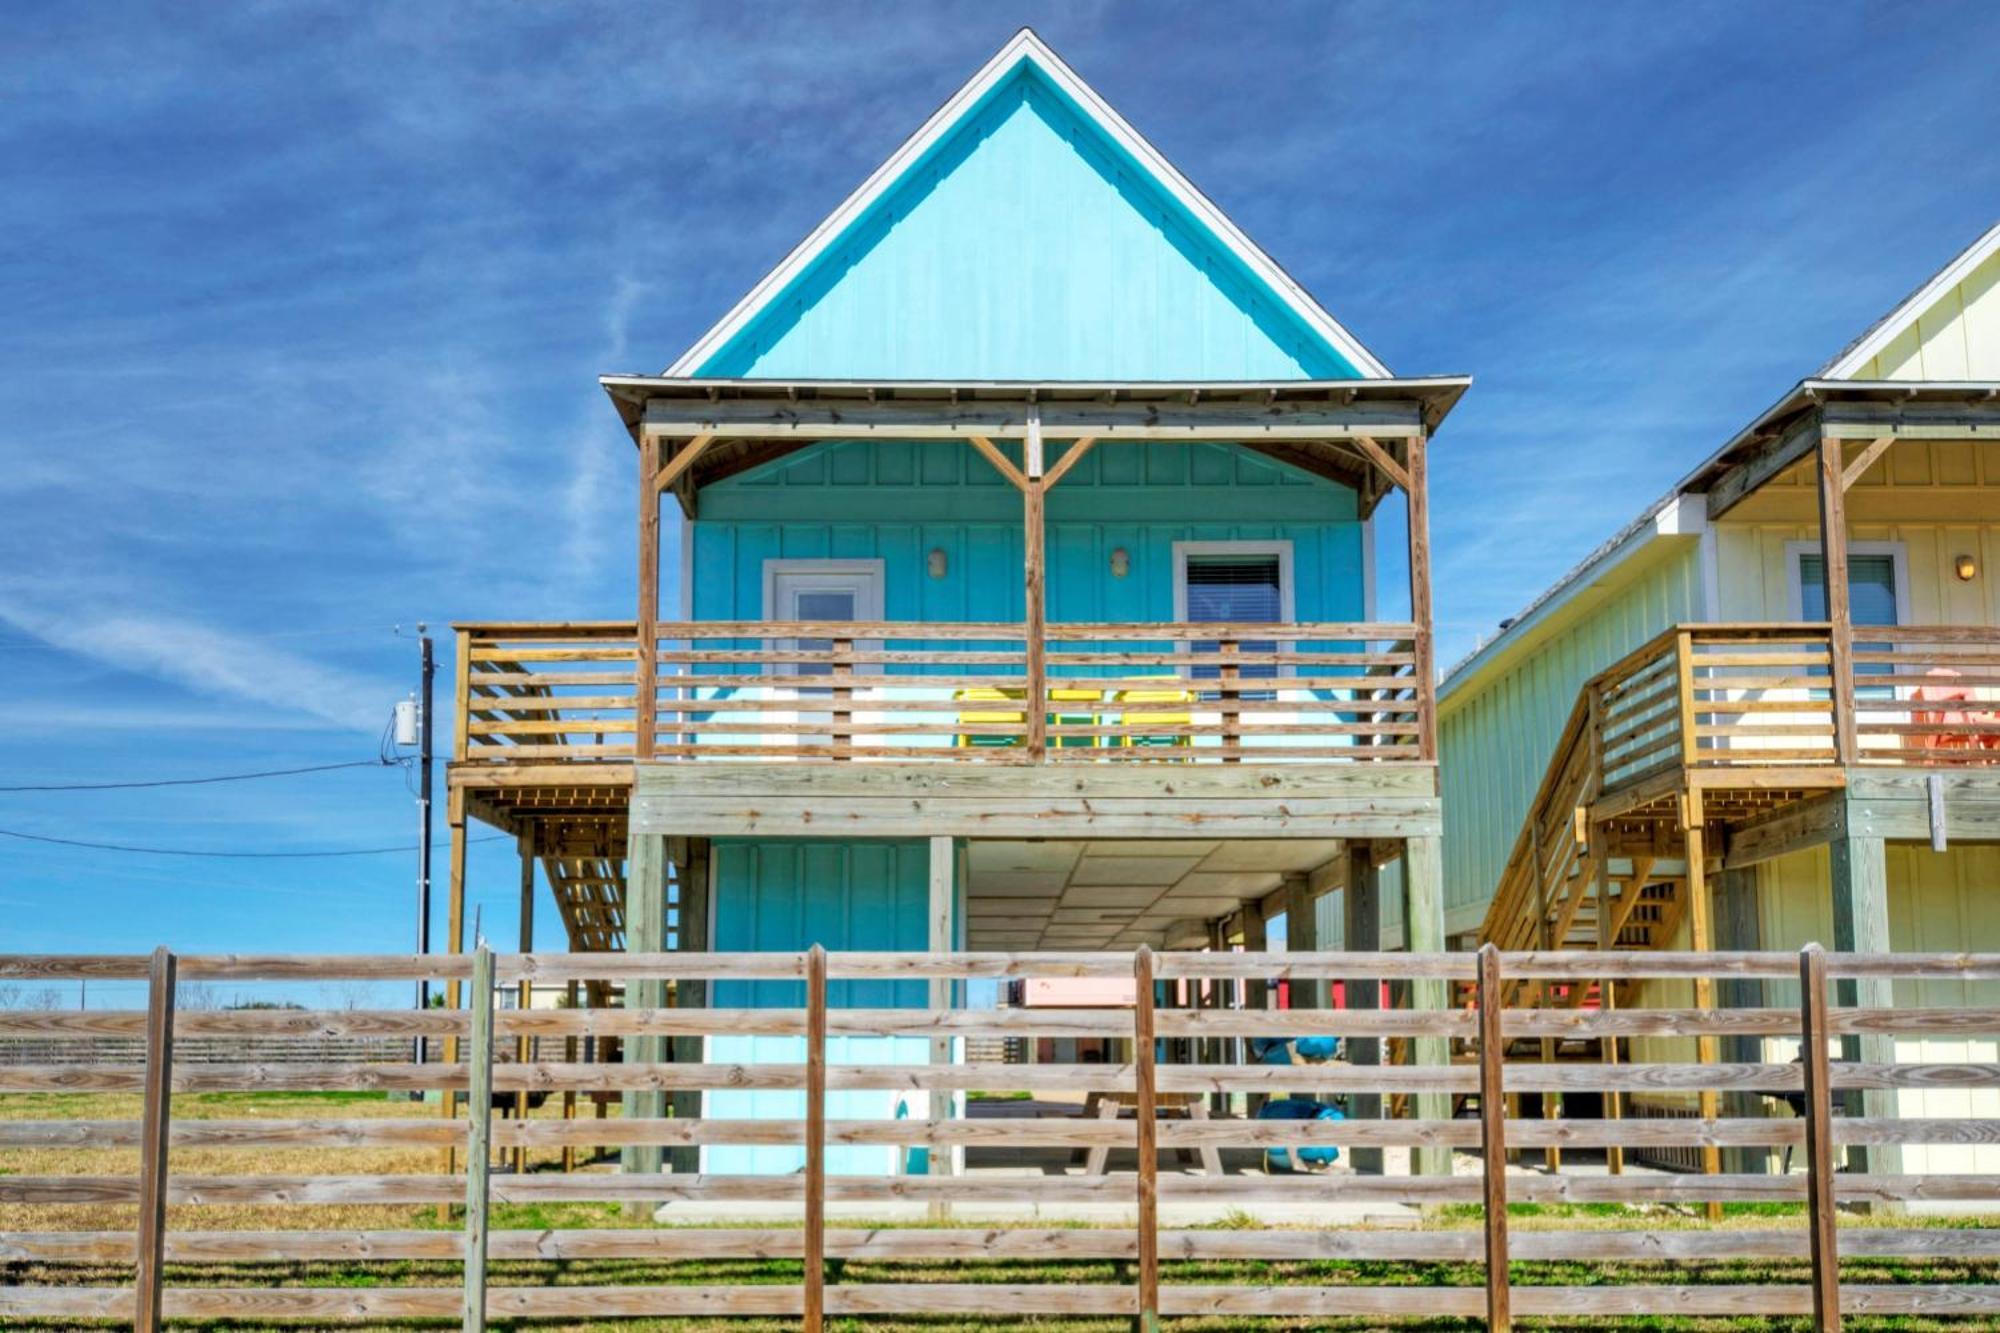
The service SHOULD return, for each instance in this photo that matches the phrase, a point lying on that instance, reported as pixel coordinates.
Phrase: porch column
(1361, 911)
(1418, 507)
(1833, 558)
(690, 863)
(1423, 932)
(1861, 925)
(646, 646)
(645, 932)
(942, 939)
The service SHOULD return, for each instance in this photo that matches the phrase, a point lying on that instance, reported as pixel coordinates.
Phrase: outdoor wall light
(1968, 568)
(938, 562)
(1121, 562)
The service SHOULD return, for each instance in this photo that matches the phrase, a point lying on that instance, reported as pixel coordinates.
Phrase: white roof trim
(1892, 325)
(1026, 45)
(1676, 515)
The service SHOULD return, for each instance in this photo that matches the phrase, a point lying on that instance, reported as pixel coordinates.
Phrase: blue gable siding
(1027, 244)
(897, 502)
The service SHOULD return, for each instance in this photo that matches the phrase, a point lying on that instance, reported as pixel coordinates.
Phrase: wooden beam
(682, 460)
(645, 693)
(1069, 460)
(479, 1140)
(1493, 1139)
(524, 989)
(1821, 1216)
(1146, 1112)
(1063, 419)
(1379, 456)
(1833, 554)
(1860, 463)
(153, 1133)
(1035, 626)
(815, 1209)
(1701, 917)
(1000, 461)
(1417, 491)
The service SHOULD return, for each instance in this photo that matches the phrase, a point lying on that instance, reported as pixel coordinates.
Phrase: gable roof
(1853, 358)
(1025, 52)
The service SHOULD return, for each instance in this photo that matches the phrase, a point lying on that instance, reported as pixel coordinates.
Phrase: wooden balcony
(571, 694)
(1717, 725)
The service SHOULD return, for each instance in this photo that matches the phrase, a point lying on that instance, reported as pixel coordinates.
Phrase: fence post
(1819, 1139)
(153, 1141)
(815, 1223)
(479, 1138)
(1146, 1112)
(1493, 1138)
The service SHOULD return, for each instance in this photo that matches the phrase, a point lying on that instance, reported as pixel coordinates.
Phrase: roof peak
(1026, 48)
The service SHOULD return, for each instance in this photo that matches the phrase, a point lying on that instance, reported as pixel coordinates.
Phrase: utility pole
(429, 673)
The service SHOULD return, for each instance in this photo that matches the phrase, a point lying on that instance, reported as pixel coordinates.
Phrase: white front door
(820, 592)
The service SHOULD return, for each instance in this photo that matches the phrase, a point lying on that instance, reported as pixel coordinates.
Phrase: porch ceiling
(1119, 895)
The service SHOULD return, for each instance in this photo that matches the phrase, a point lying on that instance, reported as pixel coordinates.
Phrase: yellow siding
(1940, 501)
(1495, 736)
(1937, 901)
(1958, 338)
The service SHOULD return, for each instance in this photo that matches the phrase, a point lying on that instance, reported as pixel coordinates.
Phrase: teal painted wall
(1495, 735)
(897, 501)
(781, 895)
(1027, 245)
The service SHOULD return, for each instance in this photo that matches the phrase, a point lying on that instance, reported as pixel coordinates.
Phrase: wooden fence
(1456, 1093)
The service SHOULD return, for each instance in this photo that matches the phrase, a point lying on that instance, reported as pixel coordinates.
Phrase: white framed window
(1878, 582)
(1235, 582)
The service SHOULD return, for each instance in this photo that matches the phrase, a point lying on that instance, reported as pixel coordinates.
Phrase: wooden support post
(479, 1143)
(645, 932)
(943, 884)
(1228, 681)
(1419, 509)
(1035, 625)
(646, 647)
(153, 1136)
(454, 943)
(843, 699)
(1146, 1111)
(524, 989)
(1493, 1138)
(1861, 925)
(1361, 932)
(1839, 613)
(572, 993)
(1423, 932)
(1821, 1220)
(690, 857)
(1701, 932)
(815, 1220)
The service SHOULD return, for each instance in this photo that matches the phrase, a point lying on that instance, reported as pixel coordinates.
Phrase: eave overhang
(1310, 424)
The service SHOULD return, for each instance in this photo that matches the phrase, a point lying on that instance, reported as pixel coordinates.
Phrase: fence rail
(942, 691)
(837, 1019)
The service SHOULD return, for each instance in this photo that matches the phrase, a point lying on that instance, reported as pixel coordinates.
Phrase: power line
(242, 856)
(196, 782)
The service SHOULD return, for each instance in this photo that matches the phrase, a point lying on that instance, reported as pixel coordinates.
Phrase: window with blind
(1871, 598)
(1236, 587)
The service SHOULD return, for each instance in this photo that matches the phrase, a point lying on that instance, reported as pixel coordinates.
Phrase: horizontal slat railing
(1928, 695)
(1202, 1008)
(943, 691)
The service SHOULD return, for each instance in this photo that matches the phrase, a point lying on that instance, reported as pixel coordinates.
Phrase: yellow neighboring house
(1699, 740)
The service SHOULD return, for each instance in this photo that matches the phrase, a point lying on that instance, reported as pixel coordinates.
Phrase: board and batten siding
(783, 895)
(1957, 338)
(898, 501)
(1938, 501)
(1027, 244)
(1496, 734)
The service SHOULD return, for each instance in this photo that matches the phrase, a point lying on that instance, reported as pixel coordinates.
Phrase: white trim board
(1025, 45)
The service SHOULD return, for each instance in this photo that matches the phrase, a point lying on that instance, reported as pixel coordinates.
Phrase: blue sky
(301, 308)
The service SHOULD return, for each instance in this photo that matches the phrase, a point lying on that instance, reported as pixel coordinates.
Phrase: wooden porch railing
(811, 995)
(963, 692)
